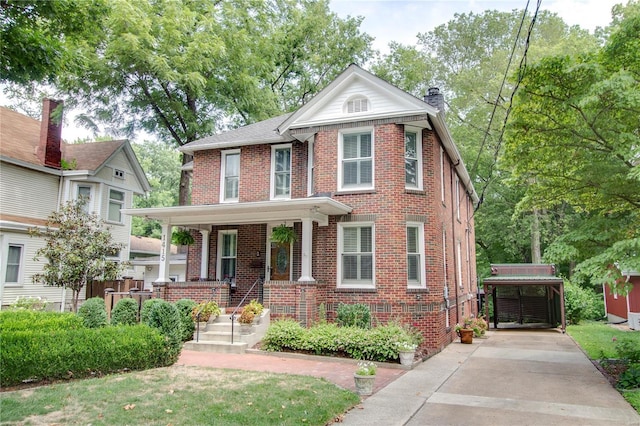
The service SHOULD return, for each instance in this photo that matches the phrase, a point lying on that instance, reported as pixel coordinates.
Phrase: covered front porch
(233, 249)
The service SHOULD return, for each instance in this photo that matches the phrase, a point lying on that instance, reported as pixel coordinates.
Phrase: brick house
(370, 180)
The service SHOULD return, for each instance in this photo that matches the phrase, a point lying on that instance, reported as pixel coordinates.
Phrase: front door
(280, 266)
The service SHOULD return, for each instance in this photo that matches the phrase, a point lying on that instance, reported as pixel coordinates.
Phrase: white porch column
(165, 254)
(204, 259)
(307, 240)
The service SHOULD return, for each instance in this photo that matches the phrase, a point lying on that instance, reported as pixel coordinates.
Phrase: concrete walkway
(511, 378)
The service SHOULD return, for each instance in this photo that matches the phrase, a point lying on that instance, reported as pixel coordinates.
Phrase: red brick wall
(197, 290)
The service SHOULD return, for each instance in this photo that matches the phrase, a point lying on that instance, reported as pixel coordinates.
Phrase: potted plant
(205, 311)
(282, 234)
(479, 326)
(246, 321)
(465, 330)
(364, 377)
(257, 308)
(406, 352)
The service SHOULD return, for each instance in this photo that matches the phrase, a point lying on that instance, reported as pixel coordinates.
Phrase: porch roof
(316, 208)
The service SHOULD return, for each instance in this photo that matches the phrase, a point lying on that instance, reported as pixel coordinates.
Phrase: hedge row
(35, 355)
(375, 344)
(43, 321)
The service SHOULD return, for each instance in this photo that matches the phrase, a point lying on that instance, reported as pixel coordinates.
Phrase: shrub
(43, 321)
(166, 318)
(357, 315)
(630, 379)
(283, 334)
(93, 312)
(628, 350)
(29, 304)
(125, 312)
(185, 306)
(146, 309)
(582, 303)
(35, 355)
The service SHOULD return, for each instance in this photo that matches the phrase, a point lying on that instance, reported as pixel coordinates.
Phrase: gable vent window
(118, 173)
(357, 105)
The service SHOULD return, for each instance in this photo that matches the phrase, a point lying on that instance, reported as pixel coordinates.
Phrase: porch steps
(216, 336)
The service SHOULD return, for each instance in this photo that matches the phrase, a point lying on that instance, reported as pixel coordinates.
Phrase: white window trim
(357, 97)
(361, 285)
(219, 251)
(423, 275)
(119, 174)
(122, 204)
(20, 278)
(272, 190)
(442, 174)
(310, 166)
(418, 133)
(459, 263)
(90, 202)
(457, 192)
(359, 130)
(223, 162)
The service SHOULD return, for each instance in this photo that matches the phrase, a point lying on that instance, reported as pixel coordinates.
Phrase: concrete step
(218, 347)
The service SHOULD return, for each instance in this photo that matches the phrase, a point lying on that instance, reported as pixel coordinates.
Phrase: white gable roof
(384, 100)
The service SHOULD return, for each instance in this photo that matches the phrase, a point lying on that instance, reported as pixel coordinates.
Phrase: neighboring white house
(144, 256)
(39, 172)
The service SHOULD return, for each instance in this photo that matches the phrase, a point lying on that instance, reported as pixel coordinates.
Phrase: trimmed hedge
(93, 313)
(125, 312)
(165, 317)
(185, 306)
(43, 321)
(147, 305)
(35, 355)
(376, 344)
(356, 315)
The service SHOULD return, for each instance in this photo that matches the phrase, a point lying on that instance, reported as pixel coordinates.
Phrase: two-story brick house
(38, 173)
(373, 185)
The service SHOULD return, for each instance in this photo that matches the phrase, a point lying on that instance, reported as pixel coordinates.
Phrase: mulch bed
(611, 369)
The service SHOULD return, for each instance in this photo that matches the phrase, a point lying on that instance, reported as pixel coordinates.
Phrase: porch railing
(235, 311)
(213, 293)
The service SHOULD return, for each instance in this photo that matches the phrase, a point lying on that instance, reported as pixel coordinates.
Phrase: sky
(401, 21)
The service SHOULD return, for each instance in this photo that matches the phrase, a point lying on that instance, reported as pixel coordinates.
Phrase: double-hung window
(281, 171)
(230, 176)
(415, 256)
(116, 203)
(356, 160)
(227, 253)
(84, 193)
(14, 263)
(356, 250)
(412, 160)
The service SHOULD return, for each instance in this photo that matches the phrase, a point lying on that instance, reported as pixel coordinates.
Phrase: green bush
(166, 318)
(44, 321)
(35, 355)
(357, 315)
(185, 306)
(29, 303)
(125, 312)
(582, 303)
(93, 312)
(376, 344)
(630, 379)
(146, 309)
(629, 350)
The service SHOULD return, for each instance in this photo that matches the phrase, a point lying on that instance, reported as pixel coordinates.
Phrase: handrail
(213, 293)
(233, 314)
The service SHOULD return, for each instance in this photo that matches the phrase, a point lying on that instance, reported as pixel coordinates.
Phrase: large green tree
(78, 248)
(575, 140)
(182, 70)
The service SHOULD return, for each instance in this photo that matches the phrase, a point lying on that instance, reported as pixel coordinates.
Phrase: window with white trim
(230, 176)
(227, 253)
(457, 192)
(116, 203)
(459, 263)
(310, 167)
(118, 173)
(412, 160)
(281, 171)
(356, 104)
(356, 160)
(84, 192)
(442, 174)
(415, 255)
(356, 255)
(13, 274)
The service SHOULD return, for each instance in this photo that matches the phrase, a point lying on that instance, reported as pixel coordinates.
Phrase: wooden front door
(280, 265)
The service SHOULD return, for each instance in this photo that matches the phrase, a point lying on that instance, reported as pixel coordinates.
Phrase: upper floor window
(412, 160)
(281, 171)
(118, 173)
(457, 195)
(355, 251)
(415, 255)
(116, 202)
(227, 253)
(230, 173)
(84, 193)
(14, 263)
(356, 160)
(356, 104)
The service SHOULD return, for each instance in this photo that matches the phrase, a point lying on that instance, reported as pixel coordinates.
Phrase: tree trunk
(185, 179)
(536, 255)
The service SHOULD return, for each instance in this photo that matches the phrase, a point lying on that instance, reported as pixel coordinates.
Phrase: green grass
(597, 340)
(181, 395)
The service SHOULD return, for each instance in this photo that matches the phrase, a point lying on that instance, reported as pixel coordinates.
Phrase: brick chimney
(435, 98)
(49, 149)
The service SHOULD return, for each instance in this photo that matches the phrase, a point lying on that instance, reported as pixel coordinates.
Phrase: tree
(78, 248)
(183, 70)
(573, 140)
(37, 36)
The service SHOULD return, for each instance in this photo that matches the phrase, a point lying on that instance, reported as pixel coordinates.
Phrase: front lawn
(180, 395)
(599, 341)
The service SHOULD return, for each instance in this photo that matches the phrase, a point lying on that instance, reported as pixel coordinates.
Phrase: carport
(525, 294)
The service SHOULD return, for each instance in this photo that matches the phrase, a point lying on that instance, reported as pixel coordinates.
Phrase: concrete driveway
(514, 377)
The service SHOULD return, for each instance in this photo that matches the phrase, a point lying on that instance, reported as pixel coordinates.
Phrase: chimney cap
(433, 91)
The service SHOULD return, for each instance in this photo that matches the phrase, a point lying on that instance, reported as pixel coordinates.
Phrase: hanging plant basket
(182, 237)
(282, 234)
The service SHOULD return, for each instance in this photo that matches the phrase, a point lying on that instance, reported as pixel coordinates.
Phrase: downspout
(60, 193)
(456, 284)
